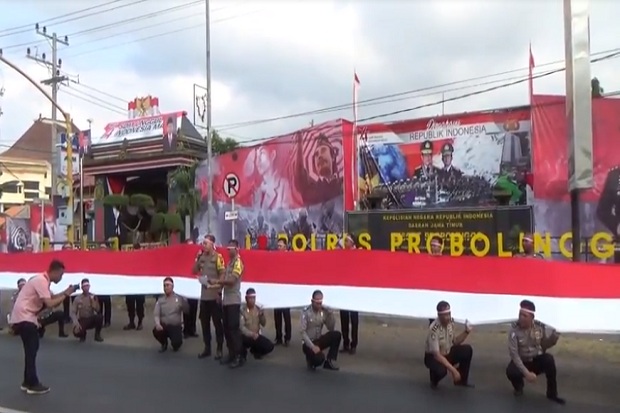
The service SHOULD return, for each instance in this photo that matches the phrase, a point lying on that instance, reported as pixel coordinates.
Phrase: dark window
(31, 195)
(31, 185)
(11, 188)
(48, 191)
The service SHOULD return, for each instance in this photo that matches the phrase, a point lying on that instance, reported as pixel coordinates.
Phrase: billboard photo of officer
(427, 170)
(449, 171)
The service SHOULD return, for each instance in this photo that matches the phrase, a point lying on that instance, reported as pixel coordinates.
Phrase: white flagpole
(356, 149)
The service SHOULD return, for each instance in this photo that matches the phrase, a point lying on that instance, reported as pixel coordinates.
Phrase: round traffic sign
(231, 185)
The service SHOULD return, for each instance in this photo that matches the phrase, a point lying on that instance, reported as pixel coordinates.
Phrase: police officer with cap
(252, 321)
(448, 171)
(528, 342)
(445, 351)
(313, 318)
(527, 244)
(427, 170)
(231, 305)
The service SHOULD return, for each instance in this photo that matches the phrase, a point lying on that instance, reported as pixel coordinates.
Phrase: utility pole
(208, 110)
(54, 81)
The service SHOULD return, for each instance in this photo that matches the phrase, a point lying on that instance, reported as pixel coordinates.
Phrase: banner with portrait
(287, 185)
(447, 161)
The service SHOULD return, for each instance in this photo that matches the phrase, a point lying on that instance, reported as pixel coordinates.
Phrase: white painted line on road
(7, 410)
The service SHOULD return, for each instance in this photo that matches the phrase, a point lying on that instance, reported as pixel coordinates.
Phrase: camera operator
(86, 314)
(34, 295)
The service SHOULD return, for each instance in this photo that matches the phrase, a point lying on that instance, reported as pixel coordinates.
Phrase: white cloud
(277, 58)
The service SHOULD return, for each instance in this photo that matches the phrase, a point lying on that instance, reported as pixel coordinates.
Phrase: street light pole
(208, 110)
(68, 123)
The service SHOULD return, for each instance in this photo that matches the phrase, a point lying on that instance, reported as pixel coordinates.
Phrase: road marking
(7, 410)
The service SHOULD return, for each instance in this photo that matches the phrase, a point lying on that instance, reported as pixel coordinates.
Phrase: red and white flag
(569, 296)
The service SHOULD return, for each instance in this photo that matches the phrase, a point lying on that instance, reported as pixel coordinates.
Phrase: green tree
(183, 179)
(597, 89)
(220, 145)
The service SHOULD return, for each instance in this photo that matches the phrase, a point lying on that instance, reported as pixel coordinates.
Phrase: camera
(76, 287)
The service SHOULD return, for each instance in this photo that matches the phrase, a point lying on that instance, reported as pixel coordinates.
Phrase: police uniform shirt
(440, 338)
(252, 320)
(312, 323)
(524, 345)
(210, 266)
(84, 306)
(169, 310)
(534, 255)
(234, 272)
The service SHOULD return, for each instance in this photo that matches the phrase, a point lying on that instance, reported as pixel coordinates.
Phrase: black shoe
(106, 325)
(235, 363)
(139, 326)
(218, 355)
(205, 353)
(434, 386)
(330, 365)
(556, 399)
(63, 335)
(37, 389)
(310, 366)
(82, 338)
(277, 342)
(518, 392)
(286, 343)
(23, 387)
(345, 349)
(164, 348)
(257, 356)
(98, 338)
(130, 326)
(352, 351)
(466, 385)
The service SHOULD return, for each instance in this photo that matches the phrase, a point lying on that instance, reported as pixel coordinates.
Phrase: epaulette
(306, 308)
(434, 326)
(539, 324)
(514, 324)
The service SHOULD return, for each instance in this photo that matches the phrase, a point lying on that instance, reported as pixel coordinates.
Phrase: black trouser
(280, 314)
(135, 306)
(89, 323)
(232, 330)
(543, 364)
(354, 318)
(211, 310)
(30, 339)
(51, 318)
(106, 308)
(66, 308)
(460, 355)
(330, 340)
(173, 333)
(260, 346)
(189, 318)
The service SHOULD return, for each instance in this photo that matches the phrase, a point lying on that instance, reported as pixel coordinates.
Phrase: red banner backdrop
(601, 204)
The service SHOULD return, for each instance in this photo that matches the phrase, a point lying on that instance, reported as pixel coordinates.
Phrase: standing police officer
(232, 305)
(168, 317)
(209, 266)
(528, 342)
(252, 320)
(444, 351)
(313, 318)
(280, 314)
(349, 343)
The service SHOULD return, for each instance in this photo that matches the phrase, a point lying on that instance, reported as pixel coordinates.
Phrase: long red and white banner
(569, 296)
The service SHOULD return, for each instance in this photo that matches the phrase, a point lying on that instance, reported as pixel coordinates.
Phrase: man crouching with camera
(86, 314)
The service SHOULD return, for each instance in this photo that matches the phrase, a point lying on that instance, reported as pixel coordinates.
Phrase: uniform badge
(537, 335)
(433, 336)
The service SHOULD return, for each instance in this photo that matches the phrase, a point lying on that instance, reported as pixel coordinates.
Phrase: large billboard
(600, 206)
(448, 161)
(292, 184)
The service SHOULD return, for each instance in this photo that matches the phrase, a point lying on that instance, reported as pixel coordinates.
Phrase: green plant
(173, 223)
(182, 181)
(116, 201)
(141, 201)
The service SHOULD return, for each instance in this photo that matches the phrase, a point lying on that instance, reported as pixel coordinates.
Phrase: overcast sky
(279, 58)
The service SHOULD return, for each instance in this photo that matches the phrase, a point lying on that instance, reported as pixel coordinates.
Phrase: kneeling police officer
(86, 313)
(252, 320)
(444, 351)
(313, 318)
(168, 317)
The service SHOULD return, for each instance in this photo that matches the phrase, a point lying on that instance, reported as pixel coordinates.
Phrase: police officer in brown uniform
(231, 305)
(349, 318)
(528, 342)
(252, 320)
(168, 317)
(209, 266)
(527, 244)
(86, 313)
(313, 318)
(282, 314)
(444, 350)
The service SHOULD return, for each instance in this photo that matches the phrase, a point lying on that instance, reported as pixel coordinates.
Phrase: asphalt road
(110, 378)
